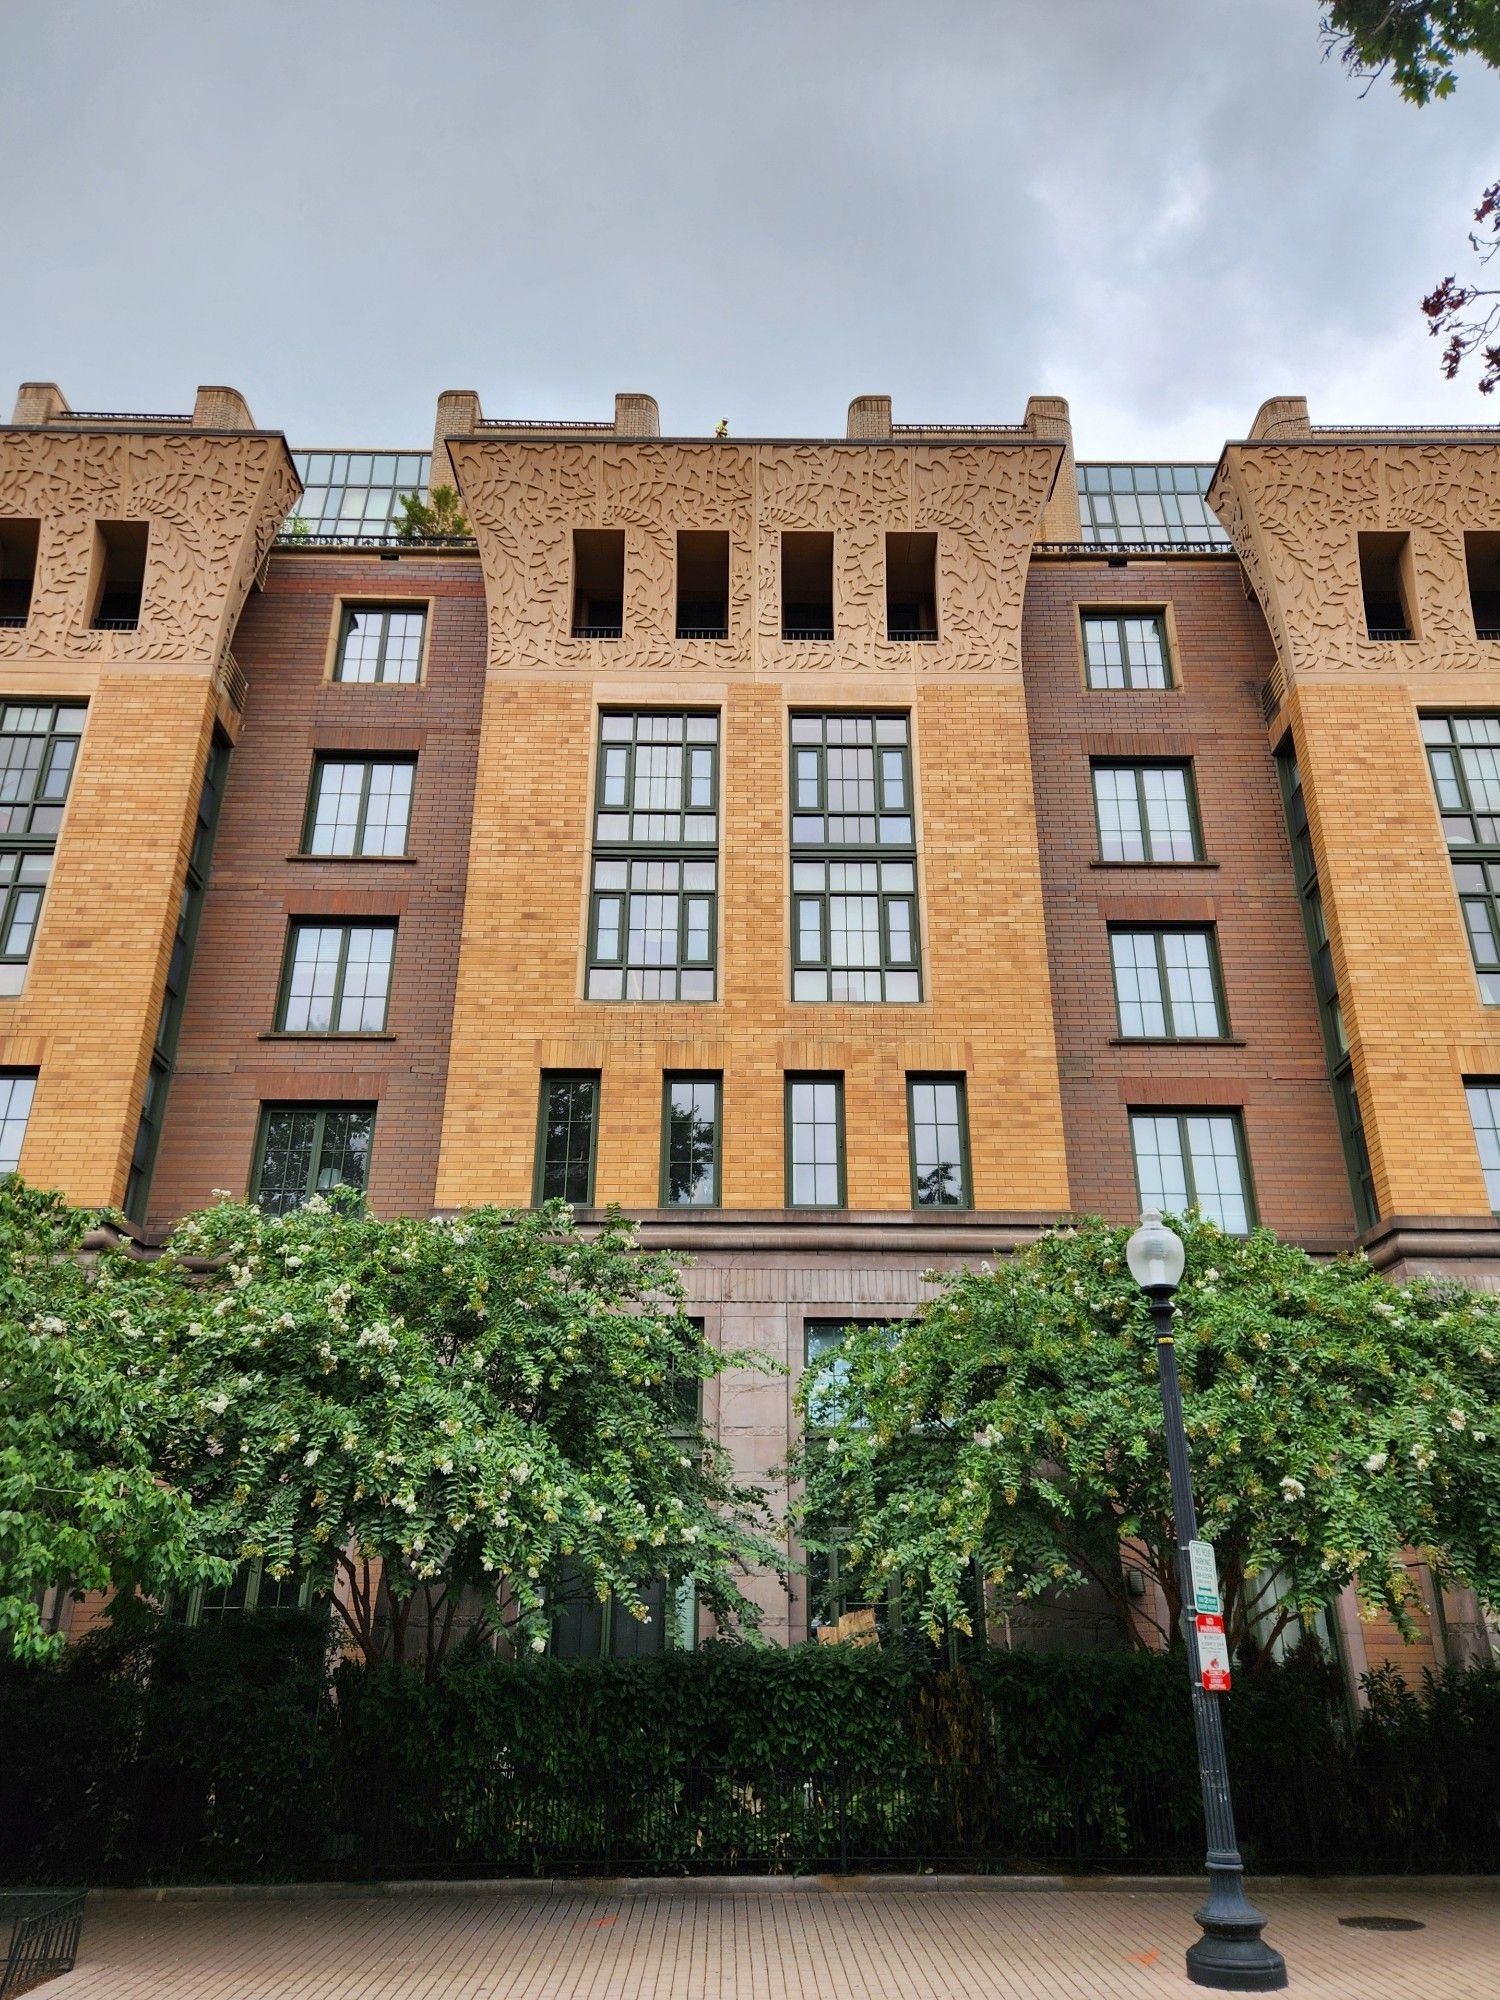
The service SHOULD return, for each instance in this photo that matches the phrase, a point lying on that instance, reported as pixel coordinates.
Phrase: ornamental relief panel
(214, 505)
(1294, 513)
(526, 497)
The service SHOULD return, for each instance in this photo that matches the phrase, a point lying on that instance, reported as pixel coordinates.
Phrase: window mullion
(1139, 776)
(315, 1153)
(383, 625)
(1159, 946)
(1189, 1177)
(366, 780)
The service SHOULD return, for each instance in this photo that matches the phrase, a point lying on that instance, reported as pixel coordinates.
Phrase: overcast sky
(1164, 210)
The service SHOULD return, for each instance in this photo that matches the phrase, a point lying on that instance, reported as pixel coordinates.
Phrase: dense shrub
(161, 1754)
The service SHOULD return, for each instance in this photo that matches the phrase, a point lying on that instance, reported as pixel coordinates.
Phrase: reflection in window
(815, 1141)
(1145, 813)
(569, 1129)
(38, 750)
(1129, 651)
(17, 1088)
(311, 1149)
(1166, 985)
(690, 1177)
(337, 979)
(939, 1142)
(379, 644)
(1186, 1159)
(359, 807)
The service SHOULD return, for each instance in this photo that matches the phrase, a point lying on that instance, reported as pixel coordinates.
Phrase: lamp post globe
(1231, 1955)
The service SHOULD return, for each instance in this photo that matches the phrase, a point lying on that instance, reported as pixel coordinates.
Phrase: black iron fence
(1036, 1818)
(43, 1926)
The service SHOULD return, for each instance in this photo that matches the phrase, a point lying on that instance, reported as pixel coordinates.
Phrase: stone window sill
(1153, 864)
(360, 860)
(325, 1035)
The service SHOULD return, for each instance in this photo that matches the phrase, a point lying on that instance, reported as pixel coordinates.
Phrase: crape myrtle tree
(413, 1410)
(1336, 1424)
(82, 1502)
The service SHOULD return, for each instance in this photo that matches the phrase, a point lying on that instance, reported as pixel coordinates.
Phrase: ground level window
(307, 1149)
(939, 1131)
(663, 1619)
(1193, 1159)
(251, 1592)
(567, 1138)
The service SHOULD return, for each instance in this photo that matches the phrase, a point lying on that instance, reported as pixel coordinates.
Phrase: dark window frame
(959, 1082)
(1158, 933)
(539, 1171)
(715, 1078)
(1234, 1113)
(1137, 767)
(384, 609)
(829, 1076)
(320, 1113)
(346, 928)
(326, 760)
(1129, 615)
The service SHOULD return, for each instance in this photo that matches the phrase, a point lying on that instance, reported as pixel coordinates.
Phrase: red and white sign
(1213, 1653)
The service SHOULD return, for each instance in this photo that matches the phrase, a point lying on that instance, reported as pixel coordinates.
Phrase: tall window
(1146, 812)
(38, 749)
(568, 1137)
(939, 1128)
(1167, 985)
(308, 1149)
(355, 495)
(1193, 1159)
(653, 899)
(854, 871)
(337, 979)
(1126, 651)
(1463, 752)
(815, 1141)
(17, 1088)
(834, 1587)
(379, 642)
(1484, 1111)
(359, 806)
(1335, 1040)
(690, 1142)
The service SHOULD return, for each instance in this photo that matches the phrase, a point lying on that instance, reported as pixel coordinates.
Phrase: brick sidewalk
(875, 1944)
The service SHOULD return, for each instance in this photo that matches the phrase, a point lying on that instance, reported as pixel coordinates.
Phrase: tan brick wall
(1405, 975)
(987, 1011)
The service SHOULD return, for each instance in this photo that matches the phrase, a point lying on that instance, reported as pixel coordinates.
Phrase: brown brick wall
(225, 1070)
(1278, 1078)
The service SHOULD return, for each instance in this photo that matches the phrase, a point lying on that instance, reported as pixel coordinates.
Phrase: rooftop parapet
(215, 408)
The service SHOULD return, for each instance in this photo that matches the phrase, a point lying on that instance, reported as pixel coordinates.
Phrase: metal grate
(703, 631)
(1389, 633)
(1382, 1924)
(598, 631)
(807, 631)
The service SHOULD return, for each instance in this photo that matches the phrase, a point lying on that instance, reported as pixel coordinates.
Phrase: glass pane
(692, 1141)
(569, 1105)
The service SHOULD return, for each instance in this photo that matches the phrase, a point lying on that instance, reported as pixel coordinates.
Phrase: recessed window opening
(18, 541)
(598, 583)
(807, 586)
(1384, 566)
(1482, 559)
(703, 584)
(122, 574)
(911, 587)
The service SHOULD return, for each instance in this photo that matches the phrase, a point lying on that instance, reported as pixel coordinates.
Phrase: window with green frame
(815, 1141)
(690, 1141)
(653, 889)
(38, 750)
(1126, 649)
(938, 1125)
(17, 1088)
(308, 1149)
(1168, 985)
(251, 1592)
(1463, 753)
(1483, 1095)
(855, 934)
(336, 979)
(833, 1589)
(567, 1136)
(1194, 1159)
(359, 806)
(1330, 1013)
(380, 643)
(1146, 812)
(664, 1619)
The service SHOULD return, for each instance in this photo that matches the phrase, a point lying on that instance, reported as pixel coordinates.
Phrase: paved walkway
(873, 1944)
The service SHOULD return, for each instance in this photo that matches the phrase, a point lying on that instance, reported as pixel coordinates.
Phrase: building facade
(847, 855)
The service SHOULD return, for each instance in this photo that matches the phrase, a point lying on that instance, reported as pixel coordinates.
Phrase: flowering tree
(411, 1411)
(81, 1500)
(1335, 1423)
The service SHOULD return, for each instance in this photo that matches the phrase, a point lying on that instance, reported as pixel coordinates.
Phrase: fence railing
(1048, 1818)
(44, 1926)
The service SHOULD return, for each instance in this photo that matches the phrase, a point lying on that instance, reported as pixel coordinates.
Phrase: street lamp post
(1231, 1954)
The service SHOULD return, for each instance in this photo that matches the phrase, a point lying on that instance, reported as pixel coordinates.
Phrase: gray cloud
(1164, 210)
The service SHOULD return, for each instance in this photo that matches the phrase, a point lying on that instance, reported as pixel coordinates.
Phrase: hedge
(246, 1753)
